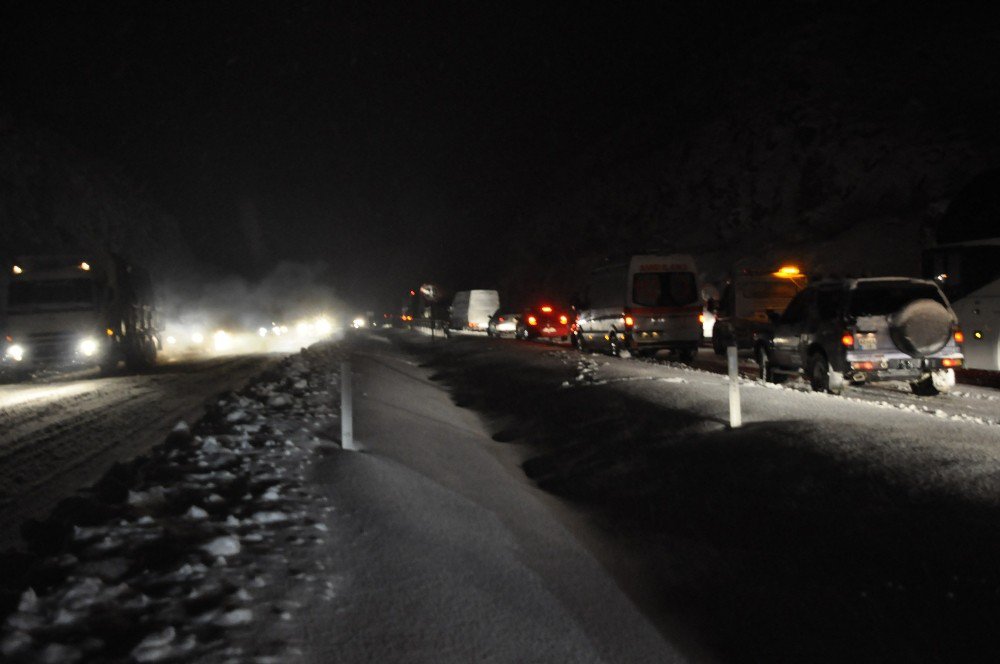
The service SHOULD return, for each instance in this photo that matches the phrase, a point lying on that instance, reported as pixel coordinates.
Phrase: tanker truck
(64, 310)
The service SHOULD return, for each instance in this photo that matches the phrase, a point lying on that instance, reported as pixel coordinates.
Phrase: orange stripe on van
(659, 311)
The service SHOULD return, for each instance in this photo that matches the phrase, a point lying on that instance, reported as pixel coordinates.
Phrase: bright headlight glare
(262, 331)
(88, 346)
(324, 326)
(197, 337)
(222, 340)
(303, 329)
(15, 352)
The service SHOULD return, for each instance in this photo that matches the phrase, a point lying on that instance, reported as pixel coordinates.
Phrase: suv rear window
(664, 289)
(884, 298)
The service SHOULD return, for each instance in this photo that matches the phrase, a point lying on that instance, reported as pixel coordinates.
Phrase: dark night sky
(397, 141)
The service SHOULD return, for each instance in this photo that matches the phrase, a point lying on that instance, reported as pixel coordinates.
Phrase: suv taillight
(959, 337)
(847, 339)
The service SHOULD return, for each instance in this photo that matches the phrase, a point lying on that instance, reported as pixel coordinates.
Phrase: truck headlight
(88, 347)
(15, 352)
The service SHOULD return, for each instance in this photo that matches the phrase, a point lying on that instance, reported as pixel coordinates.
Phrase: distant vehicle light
(701, 318)
(532, 320)
(629, 321)
(787, 271)
(500, 319)
(977, 334)
(358, 323)
(85, 266)
(109, 332)
(847, 339)
(547, 309)
(222, 340)
(171, 340)
(951, 362)
(863, 366)
(305, 329)
(197, 337)
(959, 337)
(88, 347)
(323, 326)
(17, 269)
(563, 320)
(412, 293)
(15, 352)
(262, 331)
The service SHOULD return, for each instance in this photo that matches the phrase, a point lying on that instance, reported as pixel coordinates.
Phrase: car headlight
(197, 337)
(88, 347)
(222, 340)
(15, 352)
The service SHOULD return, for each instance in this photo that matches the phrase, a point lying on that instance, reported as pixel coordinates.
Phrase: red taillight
(959, 337)
(500, 319)
(847, 340)
(629, 321)
(863, 366)
(532, 320)
(951, 362)
(547, 310)
(563, 320)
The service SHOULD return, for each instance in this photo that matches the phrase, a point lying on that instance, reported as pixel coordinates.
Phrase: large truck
(76, 309)
(969, 274)
(643, 305)
(472, 309)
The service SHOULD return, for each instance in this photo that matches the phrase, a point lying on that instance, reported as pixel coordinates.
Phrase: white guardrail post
(735, 413)
(346, 407)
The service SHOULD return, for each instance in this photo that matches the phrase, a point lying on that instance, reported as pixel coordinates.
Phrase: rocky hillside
(830, 143)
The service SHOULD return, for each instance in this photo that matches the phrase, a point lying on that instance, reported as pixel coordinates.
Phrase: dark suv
(864, 330)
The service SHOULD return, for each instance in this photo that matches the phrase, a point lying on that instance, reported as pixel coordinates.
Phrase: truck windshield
(72, 292)
(664, 289)
(884, 298)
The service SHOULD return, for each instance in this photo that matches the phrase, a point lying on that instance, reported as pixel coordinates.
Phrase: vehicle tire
(821, 378)
(767, 373)
(924, 387)
(921, 328)
(717, 345)
(614, 347)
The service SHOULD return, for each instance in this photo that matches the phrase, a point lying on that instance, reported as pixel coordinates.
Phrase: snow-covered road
(62, 432)
(855, 528)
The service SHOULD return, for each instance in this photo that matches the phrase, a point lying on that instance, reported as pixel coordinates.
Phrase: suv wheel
(820, 376)
(767, 373)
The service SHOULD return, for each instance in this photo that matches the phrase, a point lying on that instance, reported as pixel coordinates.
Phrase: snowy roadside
(201, 551)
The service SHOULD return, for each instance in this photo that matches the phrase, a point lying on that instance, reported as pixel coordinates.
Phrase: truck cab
(742, 313)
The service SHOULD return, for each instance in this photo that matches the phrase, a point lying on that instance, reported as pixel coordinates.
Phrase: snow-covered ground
(194, 552)
(62, 431)
(856, 528)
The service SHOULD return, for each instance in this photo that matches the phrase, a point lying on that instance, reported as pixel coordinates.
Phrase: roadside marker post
(346, 407)
(735, 413)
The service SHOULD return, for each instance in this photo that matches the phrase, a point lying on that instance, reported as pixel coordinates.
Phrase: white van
(471, 309)
(646, 304)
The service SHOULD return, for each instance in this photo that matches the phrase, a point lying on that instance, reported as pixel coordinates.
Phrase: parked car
(545, 321)
(471, 310)
(643, 305)
(741, 313)
(865, 330)
(503, 323)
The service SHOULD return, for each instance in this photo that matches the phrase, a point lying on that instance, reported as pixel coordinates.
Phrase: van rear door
(663, 300)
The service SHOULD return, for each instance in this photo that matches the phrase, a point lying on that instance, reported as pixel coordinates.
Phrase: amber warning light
(787, 271)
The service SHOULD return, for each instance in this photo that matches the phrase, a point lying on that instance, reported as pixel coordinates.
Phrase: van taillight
(532, 320)
(629, 321)
(847, 340)
(563, 320)
(701, 318)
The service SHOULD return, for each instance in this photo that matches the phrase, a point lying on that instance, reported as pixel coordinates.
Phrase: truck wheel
(821, 378)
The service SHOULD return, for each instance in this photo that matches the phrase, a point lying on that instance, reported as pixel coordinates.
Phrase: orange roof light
(547, 309)
(787, 271)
